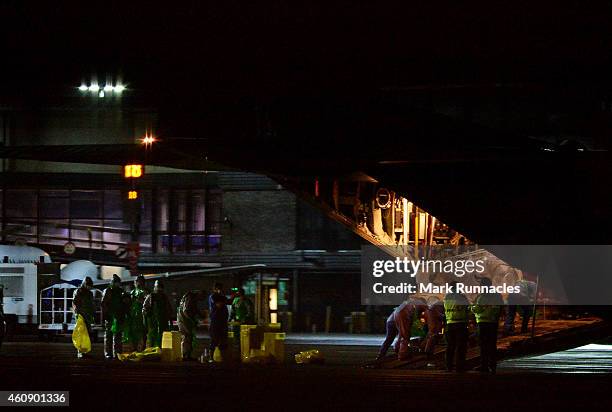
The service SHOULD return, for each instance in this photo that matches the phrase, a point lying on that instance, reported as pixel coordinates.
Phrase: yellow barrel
(248, 340)
(273, 327)
(274, 345)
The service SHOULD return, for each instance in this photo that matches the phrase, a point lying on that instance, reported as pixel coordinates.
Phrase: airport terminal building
(185, 219)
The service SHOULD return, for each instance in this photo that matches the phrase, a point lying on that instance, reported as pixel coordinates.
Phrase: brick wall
(261, 221)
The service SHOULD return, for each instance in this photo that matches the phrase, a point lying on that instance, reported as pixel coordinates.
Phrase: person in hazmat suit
(242, 312)
(456, 333)
(242, 308)
(487, 309)
(113, 312)
(405, 316)
(520, 302)
(218, 324)
(434, 317)
(83, 305)
(391, 334)
(187, 319)
(157, 312)
(136, 333)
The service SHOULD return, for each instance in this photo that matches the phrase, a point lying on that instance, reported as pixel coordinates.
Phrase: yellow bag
(80, 336)
(153, 353)
(309, 356)
(217, 355)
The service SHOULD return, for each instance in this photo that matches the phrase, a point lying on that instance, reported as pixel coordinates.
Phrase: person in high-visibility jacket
(404, 316)
(456, 312)
(487, 309)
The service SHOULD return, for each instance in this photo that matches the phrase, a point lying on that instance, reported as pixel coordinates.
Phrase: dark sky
(276, 47)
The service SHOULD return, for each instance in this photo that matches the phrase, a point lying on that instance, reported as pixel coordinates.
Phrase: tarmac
(558, 380)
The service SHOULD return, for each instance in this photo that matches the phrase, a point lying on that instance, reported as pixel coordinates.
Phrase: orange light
(132, 195)
(133, 171)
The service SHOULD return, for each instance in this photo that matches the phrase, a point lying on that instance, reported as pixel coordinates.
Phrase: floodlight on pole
(102, 90)
(148, 140)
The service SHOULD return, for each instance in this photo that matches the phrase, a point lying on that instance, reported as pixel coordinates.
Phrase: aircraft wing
(188, 273)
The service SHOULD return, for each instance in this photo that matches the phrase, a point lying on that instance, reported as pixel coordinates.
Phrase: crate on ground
(252, 341)
(274, 345)
(171, 347)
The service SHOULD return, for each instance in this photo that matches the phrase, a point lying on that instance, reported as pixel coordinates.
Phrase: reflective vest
(487, 307)
(455, 308)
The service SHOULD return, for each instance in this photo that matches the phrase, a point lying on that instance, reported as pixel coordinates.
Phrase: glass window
(82, 230)
(13, 286)
(21, 203)
(145, 211)
(179, 209)
(86, 204)
(54, 203)
(53, 232)
(198, 211)
(215, 211)
(116, 233)
(23, 229)
(113, 204)
(162, 210)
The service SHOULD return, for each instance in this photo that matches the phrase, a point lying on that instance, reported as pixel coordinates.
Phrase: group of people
(218, 315)
(138, 317)
(453, 315)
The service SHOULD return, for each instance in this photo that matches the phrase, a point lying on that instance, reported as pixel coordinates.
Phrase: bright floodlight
(83, 87)
(101, 93)
(108, 88)
(148, 140)
(119, 88)
(94, 88)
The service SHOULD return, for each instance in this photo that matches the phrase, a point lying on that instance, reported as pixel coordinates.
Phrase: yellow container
(171, 347)
(273, 327)
(274, 345)
(248, 340)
